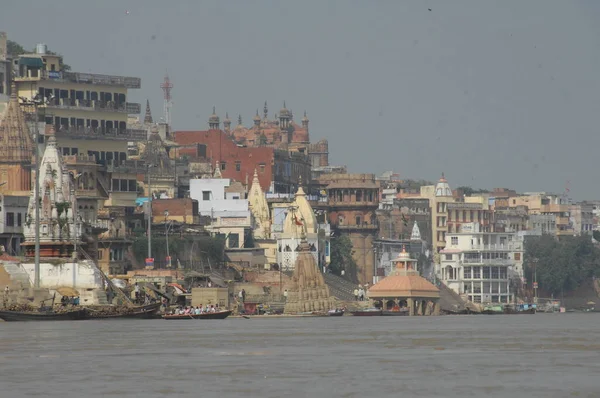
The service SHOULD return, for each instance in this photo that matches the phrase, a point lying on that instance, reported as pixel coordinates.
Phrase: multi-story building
(582, 218)
(352, 203)
(439, 197)
(279, 171)
(481, 265)
(553, 208)
(89, 111)
(229, 211)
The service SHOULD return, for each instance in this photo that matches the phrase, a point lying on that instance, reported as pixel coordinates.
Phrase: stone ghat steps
(339, 287)
(449, 299)
(19, 278)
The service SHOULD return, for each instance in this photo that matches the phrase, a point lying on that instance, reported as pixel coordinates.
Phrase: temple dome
(443, 188)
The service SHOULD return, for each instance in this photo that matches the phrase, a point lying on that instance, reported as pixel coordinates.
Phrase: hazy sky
(495, 94)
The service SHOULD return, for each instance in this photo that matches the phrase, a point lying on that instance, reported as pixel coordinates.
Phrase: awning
(67, 291)
(34, 62)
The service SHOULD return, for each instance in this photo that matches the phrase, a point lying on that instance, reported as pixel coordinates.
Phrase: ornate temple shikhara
(259, 209)
(56, 198)
(309, 293)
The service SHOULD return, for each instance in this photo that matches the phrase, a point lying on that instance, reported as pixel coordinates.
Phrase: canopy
(67, 291)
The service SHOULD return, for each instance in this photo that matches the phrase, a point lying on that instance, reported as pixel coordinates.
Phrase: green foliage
(596, 235)
(180, 247)
(341, 257)
(62, 207)
(14, 49)
(468, 191)
(562, 265)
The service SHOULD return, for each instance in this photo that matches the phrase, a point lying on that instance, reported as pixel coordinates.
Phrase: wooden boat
(493, 310)
(368, 312)
(520, 309)
(335, 312)
(395, 313)
(144, 312)
(205, 315)
(13, 316)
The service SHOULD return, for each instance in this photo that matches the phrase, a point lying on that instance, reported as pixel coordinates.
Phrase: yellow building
(439, 196)
(89, 111)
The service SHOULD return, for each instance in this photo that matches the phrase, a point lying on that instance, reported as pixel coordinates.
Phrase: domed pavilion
(405, 289)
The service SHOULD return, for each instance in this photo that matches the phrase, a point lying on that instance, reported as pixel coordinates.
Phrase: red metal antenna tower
(166, 86)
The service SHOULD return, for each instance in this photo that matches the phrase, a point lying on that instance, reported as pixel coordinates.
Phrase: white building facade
(480, 265)
(229, 211)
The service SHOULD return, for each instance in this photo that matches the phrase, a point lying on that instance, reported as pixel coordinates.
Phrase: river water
(542, 355)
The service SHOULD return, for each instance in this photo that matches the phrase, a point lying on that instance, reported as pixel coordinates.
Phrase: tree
(341, 257)
(468, 191)
(14, 48)
(562, 265)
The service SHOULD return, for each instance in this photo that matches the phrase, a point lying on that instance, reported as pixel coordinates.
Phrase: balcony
(94, 105)
(562, 221)
(491, 261)
(89, 133)
(353, 204)
(364, 227)
(514, 246)
(85, 78)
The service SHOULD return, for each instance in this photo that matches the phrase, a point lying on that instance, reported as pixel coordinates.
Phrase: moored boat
(336, 312)
(13, 316)
(395, 313)
(493, 310)
(520, 309)
(368, 312)
(204, 315)
(143, 312)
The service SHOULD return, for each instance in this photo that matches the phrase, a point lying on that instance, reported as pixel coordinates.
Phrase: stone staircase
(19, 278)
(339, 287)
(450, 300)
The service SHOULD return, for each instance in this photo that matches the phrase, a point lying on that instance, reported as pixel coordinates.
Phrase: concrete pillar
(411, 306)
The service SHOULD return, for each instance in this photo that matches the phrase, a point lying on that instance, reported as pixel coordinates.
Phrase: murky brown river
(538, 355)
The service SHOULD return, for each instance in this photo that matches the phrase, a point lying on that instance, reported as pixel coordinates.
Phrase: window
(476, 272)
(495, 273)
(486, 272)
(467, 273)
(517, 256)
(454, 240)
(205, 195)
(357, 220)
(238, 166)
(10, 219)
(448, 257)
(262, 168)
(19, 220)
(234, 240)
(223, 166)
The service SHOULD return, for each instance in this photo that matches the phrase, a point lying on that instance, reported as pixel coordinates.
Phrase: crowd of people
(191, 310)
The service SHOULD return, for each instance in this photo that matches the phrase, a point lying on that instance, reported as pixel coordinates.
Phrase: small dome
(214, 118)
(284, 112)
(443, 188)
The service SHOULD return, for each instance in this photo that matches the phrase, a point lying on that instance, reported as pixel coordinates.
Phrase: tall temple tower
(16, 149)
(57, 224)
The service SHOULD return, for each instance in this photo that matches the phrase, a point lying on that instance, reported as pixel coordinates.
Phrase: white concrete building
(229, 211)
(480, 265)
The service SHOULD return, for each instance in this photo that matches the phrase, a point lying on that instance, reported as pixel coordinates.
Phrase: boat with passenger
(368, 312)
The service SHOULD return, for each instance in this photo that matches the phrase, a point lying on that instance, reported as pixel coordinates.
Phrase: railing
(506, 247)
(87, 78)
(101, 133)
(499, 261)
(290, 196)
(94, 105)
(369, 227)
(342, 203)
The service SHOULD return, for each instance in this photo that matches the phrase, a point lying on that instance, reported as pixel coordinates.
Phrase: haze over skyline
(494, 94)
